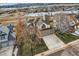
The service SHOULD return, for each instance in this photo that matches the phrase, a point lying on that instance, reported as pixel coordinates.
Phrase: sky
(1, 4)
(39, 1)
(11, 2)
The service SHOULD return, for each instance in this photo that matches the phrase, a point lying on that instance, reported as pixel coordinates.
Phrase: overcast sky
(39, 1)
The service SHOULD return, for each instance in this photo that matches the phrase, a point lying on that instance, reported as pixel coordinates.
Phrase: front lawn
(66, 37)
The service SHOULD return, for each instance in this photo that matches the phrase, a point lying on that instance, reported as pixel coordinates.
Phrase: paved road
(53, 13)
(53, 42)
(72, 49)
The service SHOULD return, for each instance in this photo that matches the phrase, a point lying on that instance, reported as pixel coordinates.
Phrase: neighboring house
(42, 25)
(4, 33)
(6, 38)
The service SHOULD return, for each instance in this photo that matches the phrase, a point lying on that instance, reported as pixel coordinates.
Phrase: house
(42, 25)
(3, 33)
(4, 36)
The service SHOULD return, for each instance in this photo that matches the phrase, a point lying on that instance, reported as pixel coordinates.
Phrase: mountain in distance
(22, 5)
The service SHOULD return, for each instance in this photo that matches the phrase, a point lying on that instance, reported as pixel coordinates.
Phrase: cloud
(39, 1)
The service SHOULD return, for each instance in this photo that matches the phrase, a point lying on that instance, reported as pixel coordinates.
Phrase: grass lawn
(66, 38)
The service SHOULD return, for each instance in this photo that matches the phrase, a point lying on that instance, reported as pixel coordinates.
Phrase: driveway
(53, 42)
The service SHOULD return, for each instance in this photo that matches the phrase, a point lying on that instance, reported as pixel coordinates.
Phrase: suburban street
(24, 26)
(52, 13)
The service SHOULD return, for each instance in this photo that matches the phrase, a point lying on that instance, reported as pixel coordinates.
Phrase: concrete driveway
(53, 42)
